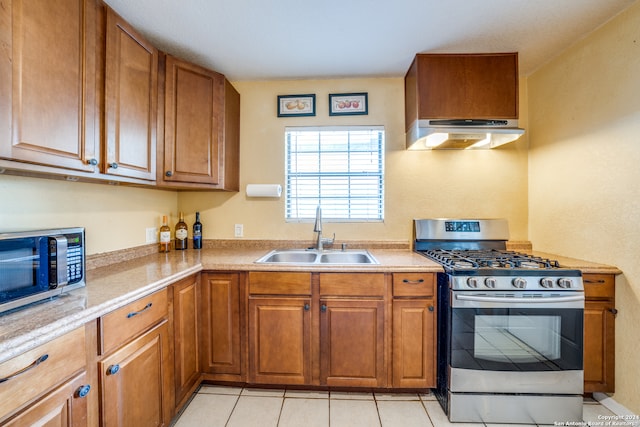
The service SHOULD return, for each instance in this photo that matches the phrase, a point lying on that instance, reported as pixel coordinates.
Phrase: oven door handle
(520, 300)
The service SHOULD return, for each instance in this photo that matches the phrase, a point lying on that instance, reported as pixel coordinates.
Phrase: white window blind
(339, 168)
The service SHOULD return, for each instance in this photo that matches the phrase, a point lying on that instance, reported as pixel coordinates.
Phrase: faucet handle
(329, 241)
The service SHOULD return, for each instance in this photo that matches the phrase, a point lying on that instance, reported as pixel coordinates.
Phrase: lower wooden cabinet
(414, 330)
(43, 386)
(135, 382)
(599, 333)
(185, 298)
(414, 352)
(352, 346)
(65, 406)
(135, 364)
(279, 340)
(219, 323)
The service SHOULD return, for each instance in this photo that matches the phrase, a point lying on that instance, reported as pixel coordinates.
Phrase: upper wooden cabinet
(201, 128)
(48, 82)
(83, 94)
(131, 96)
(462, 86)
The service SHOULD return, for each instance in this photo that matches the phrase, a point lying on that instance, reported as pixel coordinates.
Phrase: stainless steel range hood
(461, 134)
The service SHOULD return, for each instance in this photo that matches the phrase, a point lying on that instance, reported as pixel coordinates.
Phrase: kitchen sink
(314, 257)
(358, 257)
(288, 256)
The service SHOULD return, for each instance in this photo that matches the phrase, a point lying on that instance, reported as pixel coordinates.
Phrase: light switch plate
(238, 230)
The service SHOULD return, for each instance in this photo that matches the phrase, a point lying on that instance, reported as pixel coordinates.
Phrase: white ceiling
(303, 39)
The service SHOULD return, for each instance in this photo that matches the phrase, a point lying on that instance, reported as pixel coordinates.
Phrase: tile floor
(247, 407)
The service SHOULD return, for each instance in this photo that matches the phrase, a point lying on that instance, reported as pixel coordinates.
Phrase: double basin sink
(314, 257)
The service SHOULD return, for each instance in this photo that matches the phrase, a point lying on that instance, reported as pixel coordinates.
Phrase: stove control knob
(490, 282)
(565, 283)
(519, 283)
(546, 282)
(472, 282)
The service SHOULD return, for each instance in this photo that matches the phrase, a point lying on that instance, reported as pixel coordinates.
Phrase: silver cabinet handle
(135, 313)
(113, 165)
(35, 363)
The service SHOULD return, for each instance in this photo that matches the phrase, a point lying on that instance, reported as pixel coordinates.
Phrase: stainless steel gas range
(510, 326)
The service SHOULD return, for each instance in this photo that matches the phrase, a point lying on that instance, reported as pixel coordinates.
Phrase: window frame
(378, 174)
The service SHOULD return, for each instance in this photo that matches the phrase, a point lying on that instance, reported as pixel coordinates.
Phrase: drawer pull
(35, 363)
(83, 390)
(307, 307)
(323, 308)
(113, 369)
(599, 281)
(412, 282)
(135, 313)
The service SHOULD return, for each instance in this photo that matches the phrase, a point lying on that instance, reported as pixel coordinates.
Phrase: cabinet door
(194, 120)
(135, 382)
(352, 343)
(131, 95)
(463, 86)
(599, 346)
(220, 326)
(66, 406)
(279, 340)
(185, 337)
(48, 82)
(414, 345)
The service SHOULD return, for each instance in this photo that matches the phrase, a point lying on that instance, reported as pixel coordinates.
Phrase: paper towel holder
(264, 190)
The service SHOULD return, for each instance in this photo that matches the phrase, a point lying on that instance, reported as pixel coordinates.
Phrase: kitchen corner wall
(115, 216)
(584, 170)
(481, 183)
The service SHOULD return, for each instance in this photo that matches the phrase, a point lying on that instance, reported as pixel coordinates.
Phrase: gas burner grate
(489, 258)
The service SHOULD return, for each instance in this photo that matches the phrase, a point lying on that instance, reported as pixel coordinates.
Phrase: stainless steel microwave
(37, 265)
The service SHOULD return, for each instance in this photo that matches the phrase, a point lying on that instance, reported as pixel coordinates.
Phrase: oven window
(517, 339)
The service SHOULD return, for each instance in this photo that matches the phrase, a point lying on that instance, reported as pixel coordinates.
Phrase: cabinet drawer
(599, 285)
(352, 284)
(118, 326)
(413, 284)
(37, 371)
(279, 283)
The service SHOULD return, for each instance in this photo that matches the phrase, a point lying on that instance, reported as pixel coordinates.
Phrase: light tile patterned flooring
(213, 406)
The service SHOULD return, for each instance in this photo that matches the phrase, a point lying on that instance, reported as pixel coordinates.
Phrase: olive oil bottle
(181, 234)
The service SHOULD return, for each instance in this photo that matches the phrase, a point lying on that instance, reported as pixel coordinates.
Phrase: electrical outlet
(152, 235)
(238, 230)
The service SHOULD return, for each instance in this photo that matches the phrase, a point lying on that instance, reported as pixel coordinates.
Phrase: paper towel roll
(264, 190)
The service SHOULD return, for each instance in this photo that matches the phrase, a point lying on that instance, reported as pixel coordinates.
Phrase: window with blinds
(339, 168)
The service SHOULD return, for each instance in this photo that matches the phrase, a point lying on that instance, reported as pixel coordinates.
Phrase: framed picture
(341, 104)
(296, 105)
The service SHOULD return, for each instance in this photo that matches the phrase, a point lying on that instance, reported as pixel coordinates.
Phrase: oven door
(516, 342)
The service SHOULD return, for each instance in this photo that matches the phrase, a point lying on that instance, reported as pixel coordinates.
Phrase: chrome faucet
(320, 241)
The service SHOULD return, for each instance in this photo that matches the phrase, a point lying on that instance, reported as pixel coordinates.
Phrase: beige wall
(418, 184)
(115, 217)
(584, 170)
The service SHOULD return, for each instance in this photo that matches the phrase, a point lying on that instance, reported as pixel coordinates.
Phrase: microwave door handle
(61, 260)
(520, 300)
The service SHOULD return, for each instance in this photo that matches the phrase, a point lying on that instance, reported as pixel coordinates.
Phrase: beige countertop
(120, 283)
